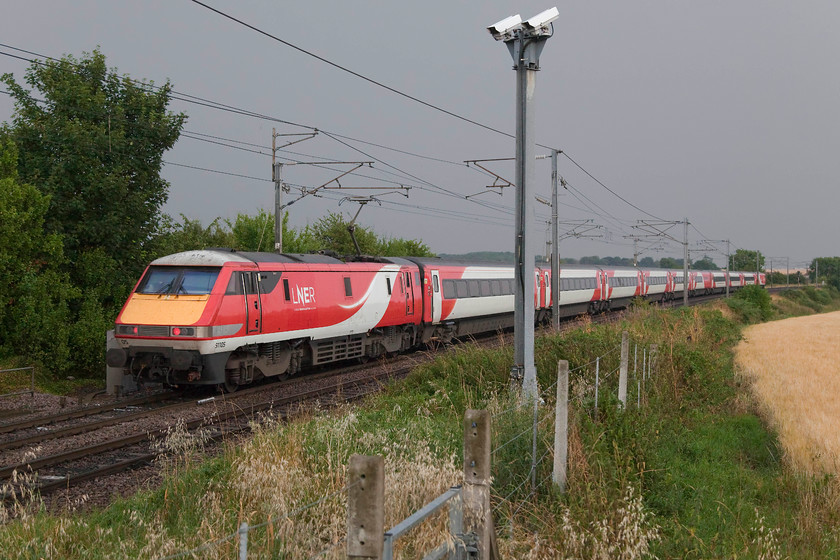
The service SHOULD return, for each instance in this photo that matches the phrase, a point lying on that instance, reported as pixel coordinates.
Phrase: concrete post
(477, 514)
(622, 375)
(561, 427)
(365, 507)
(243, 541)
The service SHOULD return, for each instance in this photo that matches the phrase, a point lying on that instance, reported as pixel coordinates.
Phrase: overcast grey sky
(723, 112)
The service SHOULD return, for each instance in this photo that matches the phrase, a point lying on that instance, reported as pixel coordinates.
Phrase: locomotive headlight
(183, 331)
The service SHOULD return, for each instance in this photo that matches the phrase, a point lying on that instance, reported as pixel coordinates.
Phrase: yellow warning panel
(153, 309)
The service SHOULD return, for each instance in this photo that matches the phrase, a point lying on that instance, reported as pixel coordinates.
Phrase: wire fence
(523, 434)
(522, 452)
(14, 380)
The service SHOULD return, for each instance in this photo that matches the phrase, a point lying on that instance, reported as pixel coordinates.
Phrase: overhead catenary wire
(176, 95)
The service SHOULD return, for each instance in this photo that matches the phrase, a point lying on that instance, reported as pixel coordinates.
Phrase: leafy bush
(752, 304)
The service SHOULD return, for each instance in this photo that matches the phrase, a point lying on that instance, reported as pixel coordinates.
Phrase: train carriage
(624, 284)
(656, 284)
(582, 290)
(719, 282)
(466, 298)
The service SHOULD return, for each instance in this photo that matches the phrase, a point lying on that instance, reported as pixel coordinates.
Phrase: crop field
(794, 368)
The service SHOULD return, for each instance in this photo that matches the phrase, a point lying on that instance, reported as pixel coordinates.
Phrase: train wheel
(229, 386)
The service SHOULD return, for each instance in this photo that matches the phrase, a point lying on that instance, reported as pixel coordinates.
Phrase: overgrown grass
(692, 472)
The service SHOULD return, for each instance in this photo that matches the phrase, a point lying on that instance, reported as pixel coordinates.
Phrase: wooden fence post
(561, 426)
(477, 513)
(365, 507)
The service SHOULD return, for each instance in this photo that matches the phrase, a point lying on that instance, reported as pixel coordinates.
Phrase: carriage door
(253, 308)
(605, 287)
(436, 303)
(548, 293)
(409, 294)
(543, 287)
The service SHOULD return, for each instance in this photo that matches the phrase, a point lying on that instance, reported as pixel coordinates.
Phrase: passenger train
(221, 317)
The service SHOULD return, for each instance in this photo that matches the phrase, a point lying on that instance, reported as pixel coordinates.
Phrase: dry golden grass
(794, 368)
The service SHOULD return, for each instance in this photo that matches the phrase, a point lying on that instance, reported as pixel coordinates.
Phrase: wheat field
(794, 369)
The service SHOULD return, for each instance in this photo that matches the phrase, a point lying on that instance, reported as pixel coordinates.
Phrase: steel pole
(555, 247)
(685, 263)
(525, 51)
(278, 205)
(727, 268)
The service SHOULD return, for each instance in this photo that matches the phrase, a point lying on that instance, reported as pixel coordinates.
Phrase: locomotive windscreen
(186, 280)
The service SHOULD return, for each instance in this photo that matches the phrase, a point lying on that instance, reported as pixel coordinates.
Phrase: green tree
(256, 233)
(705, 264)
(744, 260)
(668, 262)
(188, 235)
(93, 141)
(829, 270)
(397, 247)
(34, 293)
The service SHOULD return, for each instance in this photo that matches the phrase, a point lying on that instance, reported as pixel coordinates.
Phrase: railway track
(66, 469)
(82, 412)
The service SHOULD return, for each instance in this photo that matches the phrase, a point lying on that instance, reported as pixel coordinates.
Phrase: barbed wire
(530, 494)
(528, 479)
(511, 409)
(528, 430)
(596, 359)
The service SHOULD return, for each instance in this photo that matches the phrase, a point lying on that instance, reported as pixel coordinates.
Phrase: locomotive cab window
(348, 288)
(178, 280)
(388, 283)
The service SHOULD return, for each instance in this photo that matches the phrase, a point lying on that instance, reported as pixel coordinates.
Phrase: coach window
(449, 289)
(495, 288)
(348, 289)
(435, 285)
(461, 289)
(474, 288)
(485, 288)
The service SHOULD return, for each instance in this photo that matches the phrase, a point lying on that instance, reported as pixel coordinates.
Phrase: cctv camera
(498, 29)
(541, 19)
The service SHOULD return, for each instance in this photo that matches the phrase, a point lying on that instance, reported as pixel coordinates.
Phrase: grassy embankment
(712, 479)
